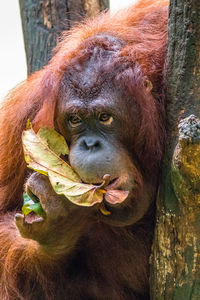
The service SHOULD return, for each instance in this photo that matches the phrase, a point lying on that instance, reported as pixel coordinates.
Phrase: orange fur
(143, 28)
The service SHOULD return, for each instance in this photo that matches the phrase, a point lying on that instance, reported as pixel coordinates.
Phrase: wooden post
(175, 261)
(42, 22)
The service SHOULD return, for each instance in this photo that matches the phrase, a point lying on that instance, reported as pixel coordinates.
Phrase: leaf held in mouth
(42, 153)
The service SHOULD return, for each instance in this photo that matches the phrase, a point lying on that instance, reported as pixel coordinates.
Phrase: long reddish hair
(142, 27)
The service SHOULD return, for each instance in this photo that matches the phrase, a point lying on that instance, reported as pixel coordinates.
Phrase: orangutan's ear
(148, 85)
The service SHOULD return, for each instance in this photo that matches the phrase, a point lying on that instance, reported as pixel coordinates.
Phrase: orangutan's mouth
(118, 183)
(114, 184)
(111, 182)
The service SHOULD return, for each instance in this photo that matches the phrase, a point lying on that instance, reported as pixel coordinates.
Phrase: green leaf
(31, 206)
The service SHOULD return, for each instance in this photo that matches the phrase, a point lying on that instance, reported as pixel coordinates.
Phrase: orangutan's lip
(115, 183)
(119, 183)
(101, 182)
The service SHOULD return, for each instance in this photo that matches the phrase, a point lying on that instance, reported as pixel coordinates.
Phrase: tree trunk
(175, 260)
(43, 20)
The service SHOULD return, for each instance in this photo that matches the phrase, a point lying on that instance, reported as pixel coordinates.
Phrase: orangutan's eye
(74, 120)
(105, 118)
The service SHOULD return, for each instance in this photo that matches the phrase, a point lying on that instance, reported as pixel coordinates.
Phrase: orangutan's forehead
(96, 61)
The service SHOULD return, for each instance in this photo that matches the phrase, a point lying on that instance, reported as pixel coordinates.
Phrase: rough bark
(175, 272)
(43, 20)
